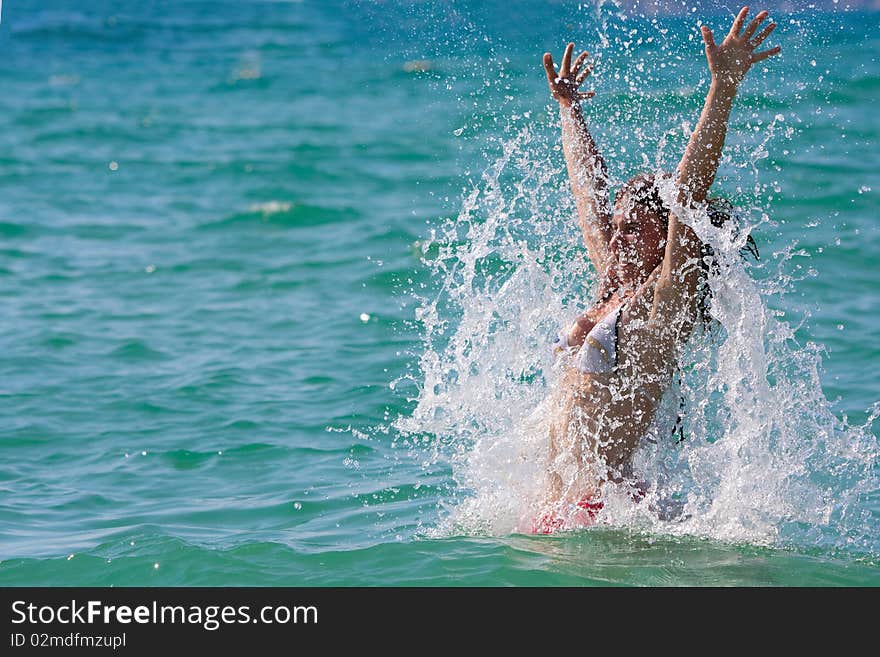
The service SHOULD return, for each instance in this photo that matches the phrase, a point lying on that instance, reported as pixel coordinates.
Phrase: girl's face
(638, 240)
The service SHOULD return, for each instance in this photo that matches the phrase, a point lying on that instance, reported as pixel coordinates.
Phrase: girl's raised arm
(586, 168)
(676, 290)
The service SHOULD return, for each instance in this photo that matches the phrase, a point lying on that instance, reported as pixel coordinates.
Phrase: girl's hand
(730, 61)
(564, 84)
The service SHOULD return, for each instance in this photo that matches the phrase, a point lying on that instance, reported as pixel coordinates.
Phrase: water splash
(766, 460)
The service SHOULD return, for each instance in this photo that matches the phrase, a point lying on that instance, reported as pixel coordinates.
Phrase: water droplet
(365, 317)
(297, 506)
(114, 165)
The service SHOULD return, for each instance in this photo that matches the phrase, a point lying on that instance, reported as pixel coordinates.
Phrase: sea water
(280, 280)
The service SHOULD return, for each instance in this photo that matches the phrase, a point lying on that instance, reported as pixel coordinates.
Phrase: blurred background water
(220, 227)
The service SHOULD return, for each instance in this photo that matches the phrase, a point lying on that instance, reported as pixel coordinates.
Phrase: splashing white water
(765, 459)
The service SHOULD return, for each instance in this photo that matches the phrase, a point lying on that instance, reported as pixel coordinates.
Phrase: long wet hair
(643, 191)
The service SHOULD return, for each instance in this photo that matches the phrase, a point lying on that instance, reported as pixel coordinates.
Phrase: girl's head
(640, 223)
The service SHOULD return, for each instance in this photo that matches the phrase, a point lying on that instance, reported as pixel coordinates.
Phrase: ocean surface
(278, 280)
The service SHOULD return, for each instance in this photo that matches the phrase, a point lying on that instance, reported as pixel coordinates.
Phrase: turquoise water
(225, 225)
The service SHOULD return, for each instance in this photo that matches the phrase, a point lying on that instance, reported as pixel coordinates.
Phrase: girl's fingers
(708, 39)
(583, 75)
(758, 56)
(753, 26)
(738, 22)
(583, 95)
(763, 35)
(548, 67)
(578, 62)
(566, 60)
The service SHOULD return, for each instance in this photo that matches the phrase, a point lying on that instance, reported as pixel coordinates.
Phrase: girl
(623, 350)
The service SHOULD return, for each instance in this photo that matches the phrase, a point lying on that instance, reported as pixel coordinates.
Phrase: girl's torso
(611, 387)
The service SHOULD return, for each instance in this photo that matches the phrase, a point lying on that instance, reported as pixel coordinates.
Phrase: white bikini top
(599, 351)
